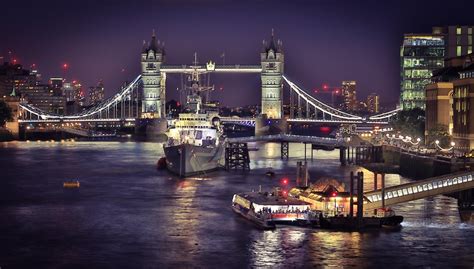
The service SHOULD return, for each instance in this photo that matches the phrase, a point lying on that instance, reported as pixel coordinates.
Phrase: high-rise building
(13, 77)
(349, 95)
(373, 103)
(420, 55)
(79, 94)
(45, 98)
(68, 91)
(96, 94)
(423, 53)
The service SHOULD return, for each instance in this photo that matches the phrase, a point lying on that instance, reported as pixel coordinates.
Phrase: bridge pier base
(151, 129)
(342, 155)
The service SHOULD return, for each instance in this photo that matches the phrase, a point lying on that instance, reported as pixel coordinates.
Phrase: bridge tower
(152, 122)
(272, 60)
(151, 60)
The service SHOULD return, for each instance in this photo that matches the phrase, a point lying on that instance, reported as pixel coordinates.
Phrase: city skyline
(104, 45)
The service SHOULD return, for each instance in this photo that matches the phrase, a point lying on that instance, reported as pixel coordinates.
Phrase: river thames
(128, 214)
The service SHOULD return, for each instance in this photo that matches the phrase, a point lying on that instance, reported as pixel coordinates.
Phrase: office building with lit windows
(423, 53)
(349, 96)
(373, 103)
(420, 54)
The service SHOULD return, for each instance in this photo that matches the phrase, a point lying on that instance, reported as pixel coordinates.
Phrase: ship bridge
(420, 189)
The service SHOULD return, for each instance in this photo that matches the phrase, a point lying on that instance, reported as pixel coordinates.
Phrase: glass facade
(420, 55)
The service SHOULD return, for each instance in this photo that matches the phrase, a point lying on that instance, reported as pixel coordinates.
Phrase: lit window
(458, 51)
(469, 50)
(469, 31)
(458, 31)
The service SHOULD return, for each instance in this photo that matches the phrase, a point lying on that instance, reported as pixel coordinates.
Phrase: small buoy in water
(161, 164)
(71, 184)
(270, 174)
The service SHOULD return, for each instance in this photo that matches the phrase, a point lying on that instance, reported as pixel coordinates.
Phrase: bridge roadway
(420, 189)
(237, 68)
(321, 141)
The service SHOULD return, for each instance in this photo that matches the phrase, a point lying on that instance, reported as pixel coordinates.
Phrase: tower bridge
(142, 101)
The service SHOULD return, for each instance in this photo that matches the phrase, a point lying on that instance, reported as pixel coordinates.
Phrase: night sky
(324, 41)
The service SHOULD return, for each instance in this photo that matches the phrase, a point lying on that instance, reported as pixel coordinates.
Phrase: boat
(195, 143)
(71, 184)
(270, 174)
(266, 209)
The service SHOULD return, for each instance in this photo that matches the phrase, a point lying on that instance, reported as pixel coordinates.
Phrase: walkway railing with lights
(420, 189)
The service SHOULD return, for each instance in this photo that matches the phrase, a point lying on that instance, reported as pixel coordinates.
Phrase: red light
(325, 86)
(325, 129)
(14, 61)
(284, 181)
(316, 90)
(336, 91)
(178, 104)
(65, 66)
(334, 194)
(285, 193)
(221, 88)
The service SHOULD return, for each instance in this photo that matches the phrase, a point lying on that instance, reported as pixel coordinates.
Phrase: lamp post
(437, 146)
(418, 140)
(452, 146)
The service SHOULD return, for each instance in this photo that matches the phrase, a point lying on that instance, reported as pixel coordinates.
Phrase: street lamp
(437, 146)
(418, 140)
(452, 146)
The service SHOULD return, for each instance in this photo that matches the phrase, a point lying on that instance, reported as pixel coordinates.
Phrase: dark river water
(129, 215)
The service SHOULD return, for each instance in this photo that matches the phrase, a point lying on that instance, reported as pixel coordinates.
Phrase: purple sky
(324, 41)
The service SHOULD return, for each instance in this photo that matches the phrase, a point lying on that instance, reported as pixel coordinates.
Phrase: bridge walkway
(420, 189)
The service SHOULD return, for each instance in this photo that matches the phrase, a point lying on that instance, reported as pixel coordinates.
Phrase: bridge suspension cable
(318, 105)
(122, 105)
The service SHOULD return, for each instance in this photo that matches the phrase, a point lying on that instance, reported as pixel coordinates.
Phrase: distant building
(45, 98)
(79, 94)
(373, 103)
(14, 77)
(96, 94)
(349, 96)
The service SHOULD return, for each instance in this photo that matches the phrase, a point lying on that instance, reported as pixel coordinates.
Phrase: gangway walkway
(420, 189)
(323, 141)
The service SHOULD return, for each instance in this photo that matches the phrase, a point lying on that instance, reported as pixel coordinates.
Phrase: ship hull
(187, 160)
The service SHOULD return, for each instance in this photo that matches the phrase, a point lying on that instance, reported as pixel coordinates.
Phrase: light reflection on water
(128, 214)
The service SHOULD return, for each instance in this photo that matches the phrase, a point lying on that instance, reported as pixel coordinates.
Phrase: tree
(440, 133)
(410, 123)
(5, 113)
